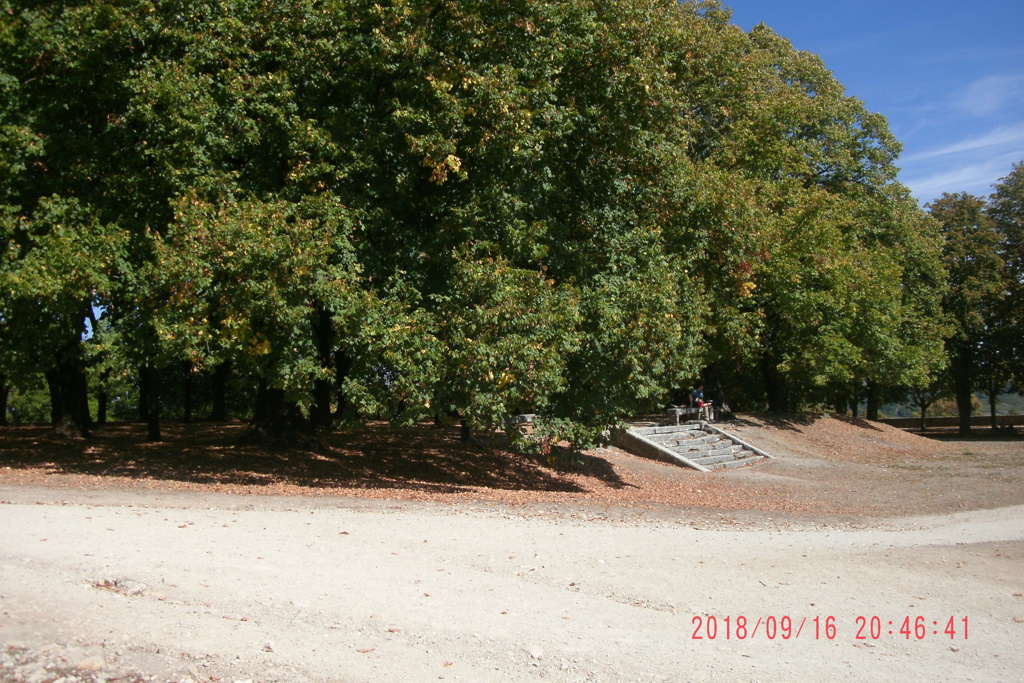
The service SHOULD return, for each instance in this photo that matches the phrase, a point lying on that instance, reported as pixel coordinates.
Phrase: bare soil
(832, 468)
(381, 555)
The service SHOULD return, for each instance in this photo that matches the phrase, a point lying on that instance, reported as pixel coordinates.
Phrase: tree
(270, 326)
(62, 251)
(56, 269)
(1006, 208)
(975, 285)
(813, 250)
(551, 145)
(924, 397)
(460, 209)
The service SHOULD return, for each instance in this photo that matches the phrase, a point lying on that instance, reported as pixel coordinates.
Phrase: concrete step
(702, 445)
(716, 447)
(730, 450)
(737, 462)
(648, 431)
(679, 435)
(698, 443)
(710, 461)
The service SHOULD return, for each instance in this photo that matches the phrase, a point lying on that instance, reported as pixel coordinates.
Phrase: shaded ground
(374, 461)
(824, 465)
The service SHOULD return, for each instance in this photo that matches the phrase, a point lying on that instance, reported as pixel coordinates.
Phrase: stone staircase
(700, 445)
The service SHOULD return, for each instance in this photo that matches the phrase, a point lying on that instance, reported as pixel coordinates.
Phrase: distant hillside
(1007, 404)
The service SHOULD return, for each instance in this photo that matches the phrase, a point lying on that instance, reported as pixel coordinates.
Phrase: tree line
(983, 251)
(306, 211)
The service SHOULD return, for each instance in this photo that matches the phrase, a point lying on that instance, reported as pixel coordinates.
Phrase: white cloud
(951, 153)
(1007, 136)
(992, 94)
(974, 175)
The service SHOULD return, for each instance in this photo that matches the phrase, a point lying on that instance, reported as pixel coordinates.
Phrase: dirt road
(182, 585)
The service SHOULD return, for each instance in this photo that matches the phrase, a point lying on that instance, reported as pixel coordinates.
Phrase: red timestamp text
(782, 628)
(741, 627)
(911, 628)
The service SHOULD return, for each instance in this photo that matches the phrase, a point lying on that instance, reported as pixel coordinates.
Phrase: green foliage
(29, 402)
(506, 335)
(1006, 208)
(975, 298)
(971, 254)
(56, 265)
(450, 209)
(243, 282)
(820, 268)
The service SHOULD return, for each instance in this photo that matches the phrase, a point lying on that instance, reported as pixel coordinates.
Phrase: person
(697, 399)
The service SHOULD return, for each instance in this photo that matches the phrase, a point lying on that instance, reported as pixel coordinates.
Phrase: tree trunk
(186, 391)
(839, 404)
(69, 406)
(275, 416)
(102, 398)
(993, 396)
(871, 412)
(220, 383)
(56, 405)
(342, 366)
(962, 366)
(774, 386)
(151, 380)
(4, 391)
(713, 381)
(101, 406)
(321, 414)
(144, 393)
(82, 393)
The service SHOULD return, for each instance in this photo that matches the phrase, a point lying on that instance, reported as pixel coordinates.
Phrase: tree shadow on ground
(592, 466)
(795, 421)
(421, 458)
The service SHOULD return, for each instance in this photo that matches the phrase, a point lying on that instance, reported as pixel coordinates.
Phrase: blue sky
(948, 75)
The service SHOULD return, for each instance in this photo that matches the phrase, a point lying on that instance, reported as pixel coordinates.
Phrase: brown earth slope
(824, 466)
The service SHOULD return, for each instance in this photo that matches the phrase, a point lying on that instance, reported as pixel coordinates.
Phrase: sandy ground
(851, 528)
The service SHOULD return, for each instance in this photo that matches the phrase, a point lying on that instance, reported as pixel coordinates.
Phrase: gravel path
(183, 586)
(102, 581)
